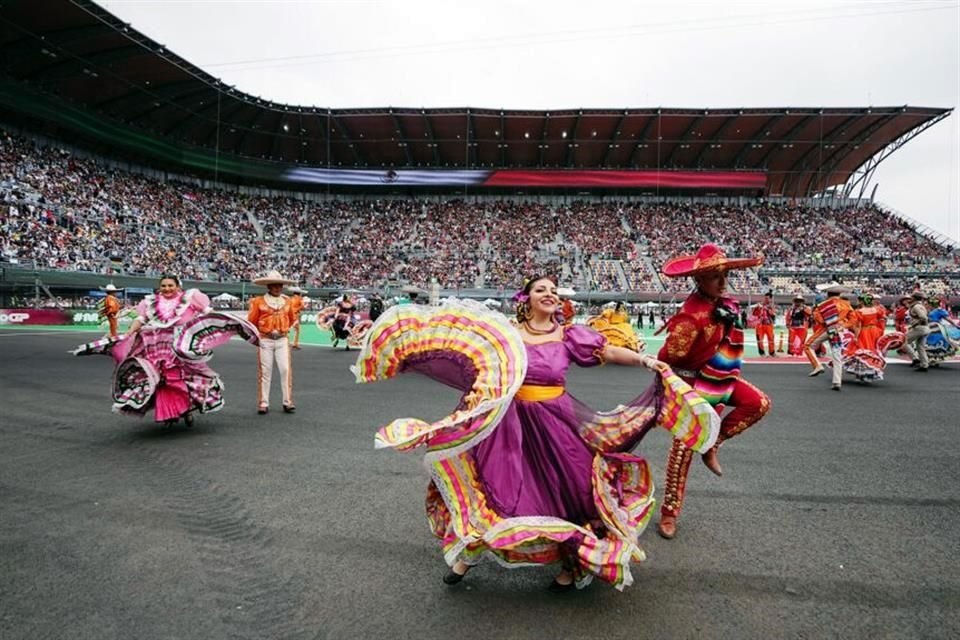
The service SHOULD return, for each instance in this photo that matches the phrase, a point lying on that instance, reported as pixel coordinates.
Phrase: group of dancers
(856, 339)
(521, 472)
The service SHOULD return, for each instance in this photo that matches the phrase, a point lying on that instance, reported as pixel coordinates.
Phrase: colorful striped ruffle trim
(480, 338)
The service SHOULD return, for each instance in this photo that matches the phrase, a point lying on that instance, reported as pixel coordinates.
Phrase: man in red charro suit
(704, 347)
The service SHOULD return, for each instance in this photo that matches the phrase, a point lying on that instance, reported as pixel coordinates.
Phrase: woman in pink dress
(161, 360)
(183, 386)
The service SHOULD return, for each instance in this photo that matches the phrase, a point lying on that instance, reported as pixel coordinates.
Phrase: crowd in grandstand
(64, 212)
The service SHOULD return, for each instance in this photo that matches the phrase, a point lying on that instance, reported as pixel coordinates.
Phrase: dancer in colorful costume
(798, 320)
(944, 339)
(831, 317)
(523, 473)
(341, 319)
(273, 314)
(161, 360)
(869, 322)
(865, 345)
(615, 325)
(705, 347)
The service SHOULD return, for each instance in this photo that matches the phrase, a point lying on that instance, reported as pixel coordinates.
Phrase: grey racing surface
(838, 515)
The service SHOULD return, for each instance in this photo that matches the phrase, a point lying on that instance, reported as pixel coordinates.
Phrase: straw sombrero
(710, 257)
(272, 277)
(833, 287)
(110, 288)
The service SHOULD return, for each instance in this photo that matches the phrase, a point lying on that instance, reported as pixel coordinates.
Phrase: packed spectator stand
(64, 212)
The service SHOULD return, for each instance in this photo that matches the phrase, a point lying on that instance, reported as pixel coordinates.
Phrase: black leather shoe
(289, 409)
(262, 411)
(453, 577)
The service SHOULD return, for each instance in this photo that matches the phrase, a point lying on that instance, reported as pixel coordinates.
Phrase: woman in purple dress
(537, 463)
(521, 472)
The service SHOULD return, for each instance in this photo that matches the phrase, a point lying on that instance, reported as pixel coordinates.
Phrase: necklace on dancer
(539, 332)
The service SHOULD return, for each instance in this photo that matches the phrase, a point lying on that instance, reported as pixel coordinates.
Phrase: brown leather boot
(667, 527)
(712, 461)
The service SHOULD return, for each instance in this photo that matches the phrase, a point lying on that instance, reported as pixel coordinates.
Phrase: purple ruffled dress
(536, 463)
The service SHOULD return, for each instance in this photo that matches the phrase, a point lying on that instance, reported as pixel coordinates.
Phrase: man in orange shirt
(830, 317)
(297, 303)
(273, 315)
(110, 308)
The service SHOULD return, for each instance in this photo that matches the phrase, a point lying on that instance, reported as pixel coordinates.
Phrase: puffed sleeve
(199, 300)
(584, 345)
(683, 331)
(254, 314)
(142, 308)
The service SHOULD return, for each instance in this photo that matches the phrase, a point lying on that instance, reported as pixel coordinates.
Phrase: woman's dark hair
(528, 284)
(169, 276)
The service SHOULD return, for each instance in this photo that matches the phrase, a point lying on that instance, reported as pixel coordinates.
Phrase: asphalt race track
(838, 516)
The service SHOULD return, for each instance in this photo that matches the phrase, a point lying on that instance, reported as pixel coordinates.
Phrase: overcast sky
(565, 54)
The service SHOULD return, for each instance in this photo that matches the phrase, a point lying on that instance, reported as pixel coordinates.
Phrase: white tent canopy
(225, 297)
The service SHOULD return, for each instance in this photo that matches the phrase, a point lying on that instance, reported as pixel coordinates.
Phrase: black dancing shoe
(289, 408)
(556, 587)
(452, 577)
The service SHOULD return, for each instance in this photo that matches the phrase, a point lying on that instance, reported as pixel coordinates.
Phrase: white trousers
(836, 355)
(274, 351)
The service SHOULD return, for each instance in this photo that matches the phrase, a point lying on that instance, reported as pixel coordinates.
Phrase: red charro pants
(765, 331)
(749, 405)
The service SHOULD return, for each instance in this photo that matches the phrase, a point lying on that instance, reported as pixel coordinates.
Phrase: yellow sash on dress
(538, 392)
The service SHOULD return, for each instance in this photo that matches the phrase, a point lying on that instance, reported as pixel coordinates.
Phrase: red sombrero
(710, 257)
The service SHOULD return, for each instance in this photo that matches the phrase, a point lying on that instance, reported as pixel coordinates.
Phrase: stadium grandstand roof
(79, 71)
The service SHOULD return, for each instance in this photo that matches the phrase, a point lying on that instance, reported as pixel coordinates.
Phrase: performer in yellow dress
(614, 324)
